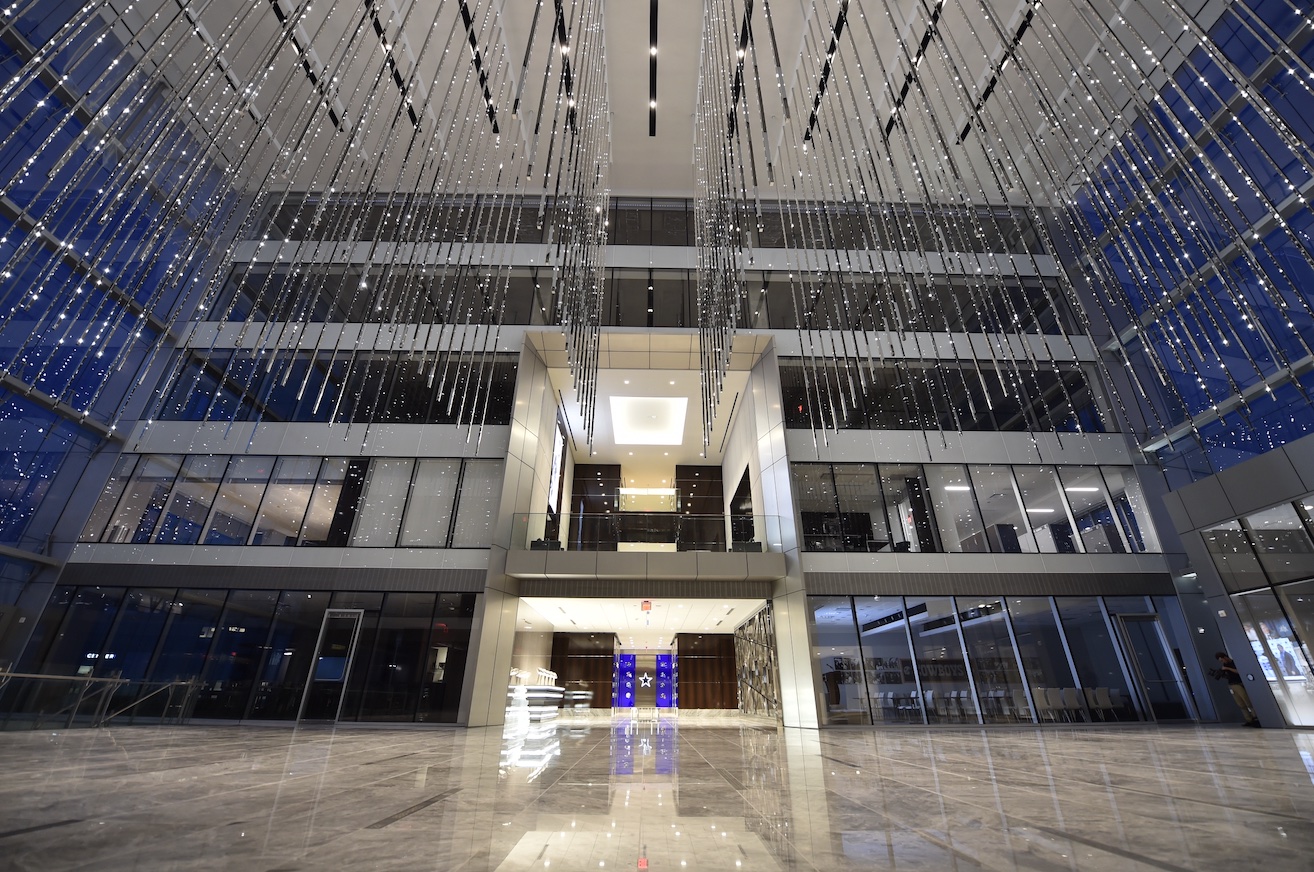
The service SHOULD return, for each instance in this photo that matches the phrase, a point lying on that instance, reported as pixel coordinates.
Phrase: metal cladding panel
(606, 587)
(275, 577)
(989, 584)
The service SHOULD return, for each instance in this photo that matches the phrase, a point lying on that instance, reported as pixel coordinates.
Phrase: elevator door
(1156, 671)
(335, 652)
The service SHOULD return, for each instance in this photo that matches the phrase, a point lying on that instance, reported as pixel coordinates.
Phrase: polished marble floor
(656, 795)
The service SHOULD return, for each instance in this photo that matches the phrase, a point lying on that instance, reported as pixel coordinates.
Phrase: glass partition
(143, 499)
(142, 617)
(429, 508)
(1044, 655)
(382, 503)
(1000, 508)
(189, 635)
(941, 665)
(1100, 670)
(887, 660)
(907, 510)
(109, 498)
(995, 670)
(393, 665)
(839, 659)
(862, 524)
(333, 503)
(1129, 504)
(818, 506)
(481, 491)
(289, 654)
(239, 648)
(250, 650)
(1278, 649)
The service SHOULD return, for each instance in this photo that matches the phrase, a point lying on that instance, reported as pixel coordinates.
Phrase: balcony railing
(36, 700)
(646, 531)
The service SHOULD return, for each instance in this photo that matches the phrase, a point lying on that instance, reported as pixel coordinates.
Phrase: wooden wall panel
(584, 661)
(708, 677)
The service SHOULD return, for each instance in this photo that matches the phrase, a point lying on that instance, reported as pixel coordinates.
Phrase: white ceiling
(635, 628)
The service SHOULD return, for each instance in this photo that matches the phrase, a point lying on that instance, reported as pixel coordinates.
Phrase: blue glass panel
(623, 681)
(667, 683)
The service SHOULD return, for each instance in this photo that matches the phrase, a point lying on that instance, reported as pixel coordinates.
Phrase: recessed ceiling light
(648, 420)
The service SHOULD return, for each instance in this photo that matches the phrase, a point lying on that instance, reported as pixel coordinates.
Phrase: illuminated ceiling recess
(648, 420)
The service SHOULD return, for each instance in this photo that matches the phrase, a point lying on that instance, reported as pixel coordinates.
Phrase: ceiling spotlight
(653, 51)
(652, 104)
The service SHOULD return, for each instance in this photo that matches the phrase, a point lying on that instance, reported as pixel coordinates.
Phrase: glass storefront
(252, 650)
(971, 660)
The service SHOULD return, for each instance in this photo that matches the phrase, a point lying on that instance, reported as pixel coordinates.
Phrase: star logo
(645, 680)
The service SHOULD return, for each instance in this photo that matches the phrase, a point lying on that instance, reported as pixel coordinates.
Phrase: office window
(286, 499)
(239, 495)
(429, 507)
(382, 503)
(143, 499)
(480, 494)
(193, 495)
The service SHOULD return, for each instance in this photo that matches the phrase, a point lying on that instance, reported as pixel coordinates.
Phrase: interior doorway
(1158, 679)
(335, 654)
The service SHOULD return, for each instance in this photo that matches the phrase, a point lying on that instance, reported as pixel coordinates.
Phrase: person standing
(1235, 684)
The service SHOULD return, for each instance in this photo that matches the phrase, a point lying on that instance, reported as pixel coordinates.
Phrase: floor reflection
(658, 794)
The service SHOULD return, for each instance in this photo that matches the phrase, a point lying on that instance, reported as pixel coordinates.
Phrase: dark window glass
(289, 655)
(395, 674)
(444, 665)
(141, 621)
(238, 654)
(189, 636)
(1040, 646)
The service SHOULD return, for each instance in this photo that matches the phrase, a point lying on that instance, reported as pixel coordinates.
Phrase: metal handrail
(191, 685)
(104, 695)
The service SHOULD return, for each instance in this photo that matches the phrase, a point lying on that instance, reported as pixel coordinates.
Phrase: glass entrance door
(334, 653)
(1159, 678)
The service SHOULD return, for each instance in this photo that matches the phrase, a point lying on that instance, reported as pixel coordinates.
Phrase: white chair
(1054, 699)
(1072, 704)
(1021, 711)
